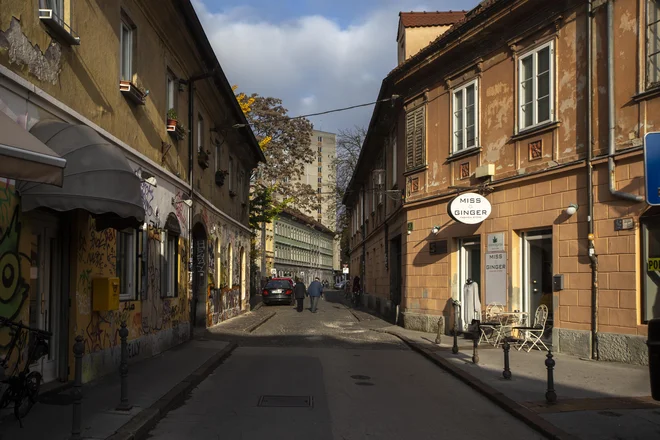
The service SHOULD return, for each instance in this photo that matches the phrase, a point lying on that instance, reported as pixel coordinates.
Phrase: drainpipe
(364, 241)
(610, 107)
(590, 188)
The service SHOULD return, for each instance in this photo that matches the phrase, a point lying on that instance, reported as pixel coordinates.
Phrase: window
(320, 138)
(465, 117)
(373, 199)
(415, 136)
(171, 263)
(241, 185)
(200, 132)
(535, 94)
(320, 180)
(320, 169)
(126, 252)
(230, 176)
(394, 157)
(171, 92)
(218, 152)
(126, 36)
(653, 43)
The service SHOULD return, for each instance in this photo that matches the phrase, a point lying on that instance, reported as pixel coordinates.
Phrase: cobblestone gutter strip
(139, 426)
(511, 406)
(255, 326)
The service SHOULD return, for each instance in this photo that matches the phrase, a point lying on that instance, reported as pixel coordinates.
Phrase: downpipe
(593, 257)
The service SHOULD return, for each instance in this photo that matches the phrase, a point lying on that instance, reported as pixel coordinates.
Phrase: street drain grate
(286, 401)
(360, 377)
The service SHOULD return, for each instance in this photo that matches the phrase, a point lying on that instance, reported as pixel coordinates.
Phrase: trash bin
(654, 357)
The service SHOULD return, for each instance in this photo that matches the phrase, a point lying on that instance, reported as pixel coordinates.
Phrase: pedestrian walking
(315, 290)
(299, 291)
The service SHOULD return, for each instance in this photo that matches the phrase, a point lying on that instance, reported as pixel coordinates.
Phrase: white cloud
(310, 62)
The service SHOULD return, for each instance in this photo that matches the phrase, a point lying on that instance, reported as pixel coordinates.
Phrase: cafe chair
(491, 326)
(532, 335)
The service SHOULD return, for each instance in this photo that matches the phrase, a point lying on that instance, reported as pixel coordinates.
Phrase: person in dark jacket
(299, 291)
(315, 291)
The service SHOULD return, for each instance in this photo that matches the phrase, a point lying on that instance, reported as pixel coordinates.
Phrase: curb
(522, 413)
(253, 327)
(257, 307)
(139, 426)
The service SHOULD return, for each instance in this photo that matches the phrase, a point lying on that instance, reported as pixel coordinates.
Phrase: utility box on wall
(105, 294)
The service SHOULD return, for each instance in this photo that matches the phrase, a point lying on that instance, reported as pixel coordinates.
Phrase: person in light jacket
(315, 290)
(299, 291)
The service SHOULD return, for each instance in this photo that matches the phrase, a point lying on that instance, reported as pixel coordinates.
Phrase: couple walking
(314, 291)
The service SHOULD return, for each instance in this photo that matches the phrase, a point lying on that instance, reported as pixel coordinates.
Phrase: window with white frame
(394, 156)
(126, 264)
(535, 86)
(171, 263)
(171, 91)
(126, 37)
(653, 43)
(465, 117)
(200, 132)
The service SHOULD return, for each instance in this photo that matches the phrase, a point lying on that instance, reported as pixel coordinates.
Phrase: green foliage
(171, 114)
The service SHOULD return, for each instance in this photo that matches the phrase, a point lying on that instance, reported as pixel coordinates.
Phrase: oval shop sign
(469, 208)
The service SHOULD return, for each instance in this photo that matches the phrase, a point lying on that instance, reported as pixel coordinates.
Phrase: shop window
(171, 265)
(535, 88)
(651, 268)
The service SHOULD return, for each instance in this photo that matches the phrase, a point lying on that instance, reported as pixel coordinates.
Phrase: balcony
(59, 27)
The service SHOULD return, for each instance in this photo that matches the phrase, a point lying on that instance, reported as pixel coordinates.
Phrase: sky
(315, 55)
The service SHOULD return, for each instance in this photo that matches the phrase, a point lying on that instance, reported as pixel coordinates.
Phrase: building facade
(513, 157)
(303, 248)
(154, 196)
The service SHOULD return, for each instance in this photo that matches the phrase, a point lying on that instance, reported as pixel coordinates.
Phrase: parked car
(277, 291)
(293, 283)
(339, 285)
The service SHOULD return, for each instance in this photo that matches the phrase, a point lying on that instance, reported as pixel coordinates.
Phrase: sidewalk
(595, 400)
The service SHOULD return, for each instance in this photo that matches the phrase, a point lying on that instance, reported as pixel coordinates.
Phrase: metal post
(438, 338)
(78, 351)
(475, 344)
(550, 395)
(454, 349)
(507, 371)
(123, 369)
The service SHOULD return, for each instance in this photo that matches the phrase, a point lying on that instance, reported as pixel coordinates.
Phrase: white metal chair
(490, 327)
(532, 335)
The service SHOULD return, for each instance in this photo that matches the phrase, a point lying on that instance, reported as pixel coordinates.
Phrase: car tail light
(289, 292)
(265, 292)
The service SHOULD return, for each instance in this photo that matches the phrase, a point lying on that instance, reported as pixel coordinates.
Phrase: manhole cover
(364, 384)
(286, 401)
(360, 377)
(56, 399)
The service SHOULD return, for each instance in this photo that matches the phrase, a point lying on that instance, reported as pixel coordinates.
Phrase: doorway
(395, 274)
(45, 290)
(537, 273)
(469, 268)
(199, 268)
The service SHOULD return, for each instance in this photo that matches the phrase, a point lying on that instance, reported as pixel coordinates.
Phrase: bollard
(123, 369)
(507, 371)
(438, 338)
(550, 395)
(454, 349)
(76, 394)
(475, 344)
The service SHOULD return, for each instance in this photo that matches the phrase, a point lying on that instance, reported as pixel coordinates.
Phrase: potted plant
(171, 118)
(203, 158)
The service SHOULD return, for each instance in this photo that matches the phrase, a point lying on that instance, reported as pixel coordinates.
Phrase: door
(537, 274)
(45, 300)
(395, 271)
(469, 269)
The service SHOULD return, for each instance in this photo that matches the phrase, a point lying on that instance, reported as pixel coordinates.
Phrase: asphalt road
(348, 383)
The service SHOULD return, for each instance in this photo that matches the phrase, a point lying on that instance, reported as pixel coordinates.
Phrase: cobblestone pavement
(329, 376)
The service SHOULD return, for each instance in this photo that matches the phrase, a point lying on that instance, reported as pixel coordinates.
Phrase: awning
(24, 157)
(97, 178)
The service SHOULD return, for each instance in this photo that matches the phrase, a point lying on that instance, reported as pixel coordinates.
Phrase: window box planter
(220, 177)
(203, 158)
(132, 92)
(59, 27)
(177, 131)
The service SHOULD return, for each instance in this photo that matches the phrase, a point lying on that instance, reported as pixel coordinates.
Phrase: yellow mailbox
(105, 294)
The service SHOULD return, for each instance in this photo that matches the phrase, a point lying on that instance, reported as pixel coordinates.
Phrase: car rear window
(279, 284)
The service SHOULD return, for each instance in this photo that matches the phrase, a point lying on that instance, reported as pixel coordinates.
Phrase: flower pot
(171, 122)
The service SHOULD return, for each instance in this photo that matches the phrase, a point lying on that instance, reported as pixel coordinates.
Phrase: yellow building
(154, 198)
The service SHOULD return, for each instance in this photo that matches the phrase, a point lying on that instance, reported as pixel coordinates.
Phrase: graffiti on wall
(147, 191)
(98, 249)
(181, 208)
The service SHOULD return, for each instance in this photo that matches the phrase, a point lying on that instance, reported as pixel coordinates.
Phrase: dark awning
(24, 157)
(97, 178)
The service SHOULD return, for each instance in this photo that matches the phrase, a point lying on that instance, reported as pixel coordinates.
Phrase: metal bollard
(78, 351)
(454, 349)
(475, 345)
(507, 371)
(123, 369)
(438, 338)
(550, 395)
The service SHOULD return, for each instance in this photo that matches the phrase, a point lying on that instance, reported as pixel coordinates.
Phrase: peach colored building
(536, 110)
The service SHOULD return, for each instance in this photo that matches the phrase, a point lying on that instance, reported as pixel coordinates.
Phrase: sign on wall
(495, 277)
(651, 167)
(496, 242)
(469, 208)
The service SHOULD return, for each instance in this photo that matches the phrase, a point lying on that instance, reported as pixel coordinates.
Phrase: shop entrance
(469, 270)
(395, 272)
(199, 277)
(537, 273)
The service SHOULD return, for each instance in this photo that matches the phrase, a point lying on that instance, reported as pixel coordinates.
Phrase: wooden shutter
(410, 133)
(415, 134)
(419, 137)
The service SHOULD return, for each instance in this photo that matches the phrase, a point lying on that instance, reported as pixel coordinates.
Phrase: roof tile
(438, 18)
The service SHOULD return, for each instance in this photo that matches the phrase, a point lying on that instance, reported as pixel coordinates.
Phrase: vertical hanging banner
(495, 277)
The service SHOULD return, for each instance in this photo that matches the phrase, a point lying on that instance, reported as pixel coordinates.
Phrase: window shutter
(410, 132)
(419, 137)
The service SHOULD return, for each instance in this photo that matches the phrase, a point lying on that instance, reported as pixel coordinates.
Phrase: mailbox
(105, 294)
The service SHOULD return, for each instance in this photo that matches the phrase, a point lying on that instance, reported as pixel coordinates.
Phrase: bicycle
(22, 384)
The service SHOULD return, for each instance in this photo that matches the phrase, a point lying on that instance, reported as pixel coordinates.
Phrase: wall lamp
(148, 178)
(186, 201)
(572, 209)
(435, 230)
